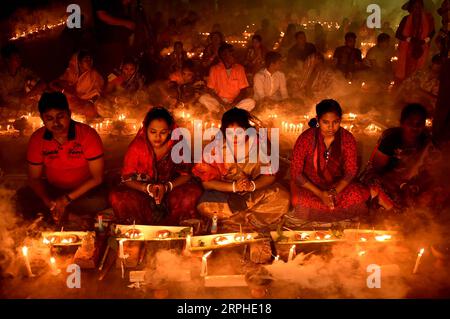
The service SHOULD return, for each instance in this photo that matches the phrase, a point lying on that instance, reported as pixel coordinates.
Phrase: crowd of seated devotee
(154, 189)
(314, 63)
(157, 189)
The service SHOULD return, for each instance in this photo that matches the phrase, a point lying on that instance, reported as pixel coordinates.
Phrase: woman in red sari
(323, 168)
(154, 190)
(414, 33)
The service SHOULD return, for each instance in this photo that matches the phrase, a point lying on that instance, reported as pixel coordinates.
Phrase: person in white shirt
(270, 83)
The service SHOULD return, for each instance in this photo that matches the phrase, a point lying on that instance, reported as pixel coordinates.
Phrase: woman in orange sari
(414, 32)
(239, 192)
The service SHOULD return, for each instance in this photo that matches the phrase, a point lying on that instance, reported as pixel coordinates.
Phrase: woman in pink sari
(154, 190)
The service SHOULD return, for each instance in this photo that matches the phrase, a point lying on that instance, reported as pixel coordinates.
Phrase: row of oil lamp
(135, 233)
(36, 30)
(328, 25)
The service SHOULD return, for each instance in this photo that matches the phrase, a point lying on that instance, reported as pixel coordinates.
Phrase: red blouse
(308, 159)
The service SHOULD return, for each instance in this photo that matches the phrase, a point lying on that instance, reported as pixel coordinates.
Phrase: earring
(317, 125)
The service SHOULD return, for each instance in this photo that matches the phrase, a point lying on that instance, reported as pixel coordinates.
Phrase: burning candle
(383, 237)
(188, 242)
(204, 270)
(55, 270)
(394, 58)
(100, 223)
(291, 253)
(122, 257)
(121, 251)
(27, 261)
(419, 257)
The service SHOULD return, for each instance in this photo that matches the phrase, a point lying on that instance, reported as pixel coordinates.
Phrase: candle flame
(25, 251)
(382, 237)
(363, 239)
(52, 260)
(421, 252)
(205, 256)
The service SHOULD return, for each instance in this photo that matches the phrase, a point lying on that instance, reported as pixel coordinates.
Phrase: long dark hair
(413, 109)
(158, 112)
(239, 116)
(326, 106)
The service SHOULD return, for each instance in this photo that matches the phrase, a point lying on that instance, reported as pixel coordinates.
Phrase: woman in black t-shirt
(397, 170)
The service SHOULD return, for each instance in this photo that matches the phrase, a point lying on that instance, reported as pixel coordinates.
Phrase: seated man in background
(378, 59)
(348, 58)
(70, 155)
(269, 83)
(184, 85)
(227, 82)
(19, 86)
(301, 49)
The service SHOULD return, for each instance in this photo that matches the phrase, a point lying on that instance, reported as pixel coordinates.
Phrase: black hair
(158, 113)
(52, 100)
(272, 57)
(9, 50)
(350, 35)
(130, 60)
(413, 109)
(239, 116)
(224, 47)
(84, 53)
(290, 28)
(257, 37)
(383, 37)
(298, 33)
(437, 59)
(188, 64)
(218, 33)
(326, 106)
